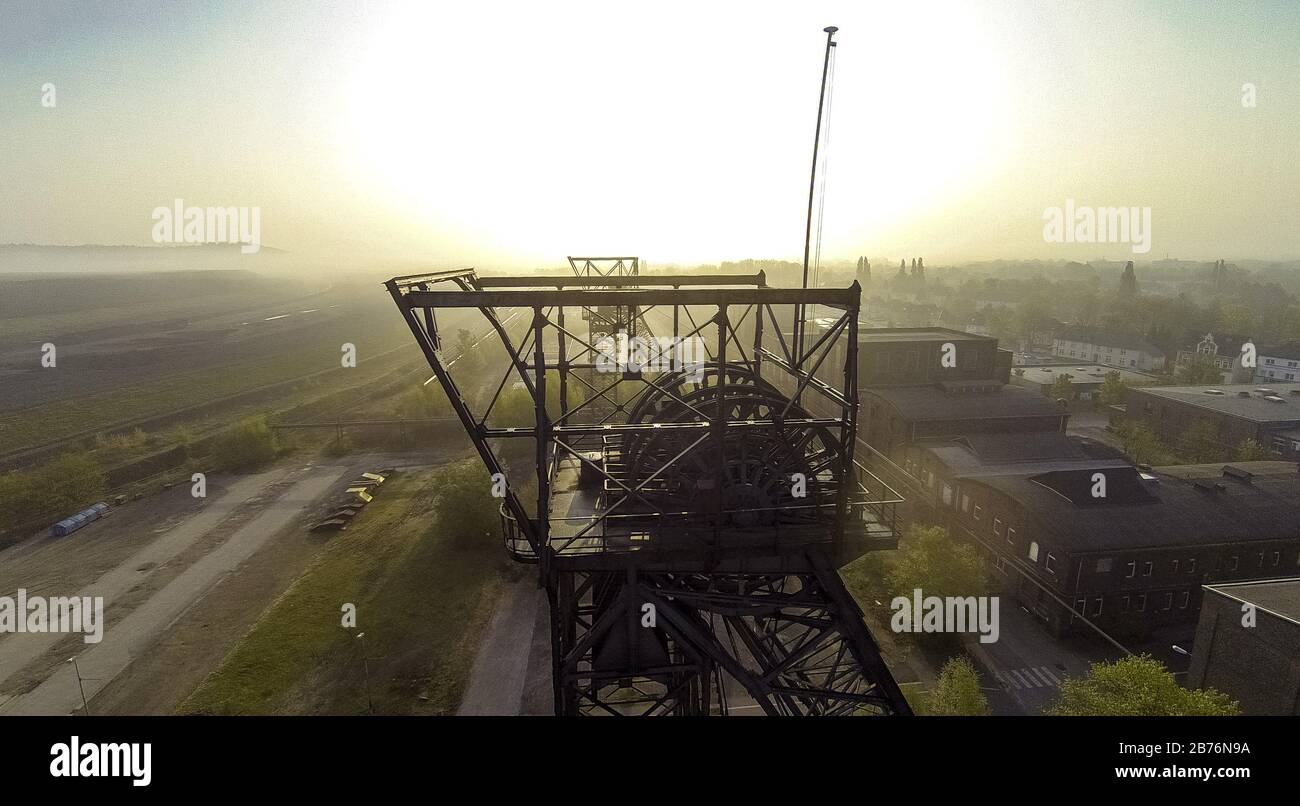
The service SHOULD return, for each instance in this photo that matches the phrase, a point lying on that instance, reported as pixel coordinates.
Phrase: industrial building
(1248, 645)
(1085, 379)
(1235, 413)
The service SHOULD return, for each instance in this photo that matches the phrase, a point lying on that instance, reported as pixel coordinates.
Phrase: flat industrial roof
(1180, 512)
(1081, 373)
(896, 334)
(1278, 596)
(1254, 406)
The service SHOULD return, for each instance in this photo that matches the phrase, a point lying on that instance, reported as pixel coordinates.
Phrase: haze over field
(511, 134)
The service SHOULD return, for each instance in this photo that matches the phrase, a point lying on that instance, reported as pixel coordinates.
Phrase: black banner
(331, 755)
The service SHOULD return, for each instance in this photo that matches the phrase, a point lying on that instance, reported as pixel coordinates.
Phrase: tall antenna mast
(800, 325)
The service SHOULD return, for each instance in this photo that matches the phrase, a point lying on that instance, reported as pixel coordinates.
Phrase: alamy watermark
(946, 614)
(53, 614)
(621, 353)
(77, 759)
(1073, 224)
(181, 224)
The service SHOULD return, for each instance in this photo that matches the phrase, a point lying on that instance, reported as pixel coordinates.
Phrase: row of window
(1137, 603)
(1272, 559)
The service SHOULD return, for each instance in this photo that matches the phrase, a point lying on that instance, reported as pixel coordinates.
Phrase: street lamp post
(85, 706)
(365, 663)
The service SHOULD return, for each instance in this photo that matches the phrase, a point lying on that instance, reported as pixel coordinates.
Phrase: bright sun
(686, 143)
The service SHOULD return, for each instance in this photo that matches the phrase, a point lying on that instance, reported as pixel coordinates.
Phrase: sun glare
(627, 147)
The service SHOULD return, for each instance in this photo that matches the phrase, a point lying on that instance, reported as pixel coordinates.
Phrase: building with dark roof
(1247, 645)
(1071, 528)
(1235, 413)
(1123, 547)
(918, 383)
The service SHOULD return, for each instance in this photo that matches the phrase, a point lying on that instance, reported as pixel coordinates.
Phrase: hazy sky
(514, 133)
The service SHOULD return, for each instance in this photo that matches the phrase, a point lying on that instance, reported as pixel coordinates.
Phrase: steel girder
(643, 644)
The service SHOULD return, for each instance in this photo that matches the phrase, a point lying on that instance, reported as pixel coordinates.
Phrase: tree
(65, 485)
(1251, 451)
(1138, 685)
(1062, 389)
(932, 561)
(249, 444)
(1113, 388)
(1143, 446)
(1200, 369)
(467, 512)
(1128, 284)
(1200, 444)
(957, 692)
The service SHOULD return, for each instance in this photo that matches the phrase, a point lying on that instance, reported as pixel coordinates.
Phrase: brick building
(1134, 559)
(1248, 645)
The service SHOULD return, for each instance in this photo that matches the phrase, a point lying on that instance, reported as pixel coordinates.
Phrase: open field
(149, 369)
(422, 599)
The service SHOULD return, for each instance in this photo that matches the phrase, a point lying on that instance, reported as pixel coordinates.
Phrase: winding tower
(686, 515)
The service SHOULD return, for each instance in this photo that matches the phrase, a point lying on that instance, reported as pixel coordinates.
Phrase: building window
(1146, 568)
(1104, 565)
(1232, 563)
(1277, 558)
(1142, 602)
(965, 502)
(1033, 551)
(1191, 566)
(997, 527)
(1169, 601)
(1132, 570)
(1175, 566)
(947, 494)
(1051, 563)
(1184, 599)
(978, 510)
(1096, 606)
(1011, 536)
(1123, 604)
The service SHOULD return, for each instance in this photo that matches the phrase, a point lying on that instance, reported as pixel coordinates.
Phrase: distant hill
(99, 258)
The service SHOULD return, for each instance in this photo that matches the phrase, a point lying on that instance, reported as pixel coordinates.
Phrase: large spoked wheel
(755, 476)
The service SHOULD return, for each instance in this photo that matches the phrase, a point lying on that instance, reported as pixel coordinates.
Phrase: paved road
(130, 637)
(501, 669)
(1026, 662)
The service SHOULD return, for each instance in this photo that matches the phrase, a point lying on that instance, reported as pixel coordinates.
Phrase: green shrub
(54, 490)
(247, 445)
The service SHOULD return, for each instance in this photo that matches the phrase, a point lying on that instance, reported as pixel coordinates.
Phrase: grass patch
(422, 594)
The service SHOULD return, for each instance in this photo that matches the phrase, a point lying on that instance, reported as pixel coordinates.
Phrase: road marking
(1025, 680)
(1029, 677)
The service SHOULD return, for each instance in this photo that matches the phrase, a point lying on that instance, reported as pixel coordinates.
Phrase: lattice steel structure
(690, 511)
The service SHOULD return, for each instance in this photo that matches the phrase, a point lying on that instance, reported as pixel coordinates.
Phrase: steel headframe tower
(688, 538)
